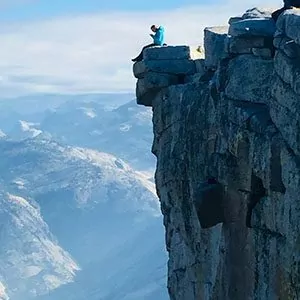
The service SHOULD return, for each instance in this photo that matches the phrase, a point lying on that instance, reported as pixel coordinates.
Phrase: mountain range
(80, 218)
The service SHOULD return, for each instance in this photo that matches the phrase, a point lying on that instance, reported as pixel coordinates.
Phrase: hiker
(288, 4)
(158, 40)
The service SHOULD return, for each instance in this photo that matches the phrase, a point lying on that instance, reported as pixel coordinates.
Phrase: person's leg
(140, 56)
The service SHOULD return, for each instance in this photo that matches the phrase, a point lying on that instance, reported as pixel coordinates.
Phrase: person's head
(154, 28)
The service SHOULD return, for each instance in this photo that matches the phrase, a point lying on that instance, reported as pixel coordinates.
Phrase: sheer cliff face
(227, 141)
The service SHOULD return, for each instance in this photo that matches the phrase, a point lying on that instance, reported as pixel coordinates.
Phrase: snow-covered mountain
(3, 295)
(77, 223)
(123, 130)
(32, 262)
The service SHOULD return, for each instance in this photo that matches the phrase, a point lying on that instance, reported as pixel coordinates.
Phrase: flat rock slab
(170, 52)
(253, 27)
(249, 79)
(175, 67)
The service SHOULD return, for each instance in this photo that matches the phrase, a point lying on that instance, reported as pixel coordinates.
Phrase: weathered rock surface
(214, 43)
(253, 27)
(227, 141)
(163, 67)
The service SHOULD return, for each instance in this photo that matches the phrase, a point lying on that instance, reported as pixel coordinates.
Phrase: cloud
(91, 53)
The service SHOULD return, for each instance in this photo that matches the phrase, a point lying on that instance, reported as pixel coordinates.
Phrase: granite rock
(229, 135)
(214, 43)
(253, 27)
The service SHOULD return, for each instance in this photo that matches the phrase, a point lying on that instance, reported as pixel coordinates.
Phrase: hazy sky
(75, 46)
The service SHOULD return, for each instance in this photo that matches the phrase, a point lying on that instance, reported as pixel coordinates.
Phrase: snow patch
(89, 112)
(18, 200)
(127, 182)
(2, 134)
(28, 127)
(31, 271)
(53, 282)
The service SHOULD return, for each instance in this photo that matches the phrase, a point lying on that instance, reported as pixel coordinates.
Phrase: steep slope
(32, 262)
(123, 131)
(97, 207)
(227, 140)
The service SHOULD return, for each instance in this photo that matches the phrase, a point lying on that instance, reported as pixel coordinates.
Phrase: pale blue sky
(31, 9)
(86, 46)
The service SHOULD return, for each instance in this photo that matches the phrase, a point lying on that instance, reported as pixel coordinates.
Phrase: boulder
(253, 27)
(252, 13)
(214, 41)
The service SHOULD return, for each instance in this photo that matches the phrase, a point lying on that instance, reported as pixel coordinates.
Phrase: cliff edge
(227, 141)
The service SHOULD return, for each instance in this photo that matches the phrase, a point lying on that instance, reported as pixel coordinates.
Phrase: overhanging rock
(163, 67)
(233, 117)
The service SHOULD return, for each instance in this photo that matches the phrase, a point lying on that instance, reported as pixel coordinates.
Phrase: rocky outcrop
(227, 141)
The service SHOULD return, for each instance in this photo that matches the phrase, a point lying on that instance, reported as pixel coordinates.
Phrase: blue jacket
(159, 36)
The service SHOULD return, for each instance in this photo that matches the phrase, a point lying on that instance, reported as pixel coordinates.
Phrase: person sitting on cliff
(288, 4)
(158, 40)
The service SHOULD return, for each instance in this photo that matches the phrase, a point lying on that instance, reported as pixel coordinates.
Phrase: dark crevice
(257, 192)
(208, 202)
(207, 76)
(276, 184)
(181, 79)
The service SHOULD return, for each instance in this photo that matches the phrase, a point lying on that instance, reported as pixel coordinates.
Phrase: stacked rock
(240, 125)
(253, 33)
(285, 107)
(250, 34)
(163, 67)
